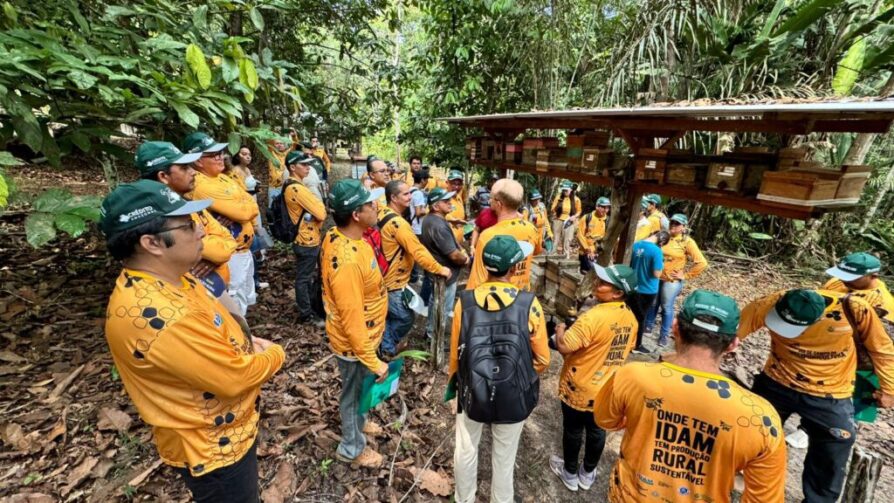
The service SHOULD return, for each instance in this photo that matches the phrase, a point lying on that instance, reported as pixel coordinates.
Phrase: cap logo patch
(787, 315)
(172, 196)
(137, 214)
(157, 160)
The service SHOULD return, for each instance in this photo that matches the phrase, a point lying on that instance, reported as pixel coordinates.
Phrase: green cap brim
(188, 158)
(190, 207)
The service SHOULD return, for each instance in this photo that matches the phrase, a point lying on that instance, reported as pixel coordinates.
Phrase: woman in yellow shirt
(679, 253)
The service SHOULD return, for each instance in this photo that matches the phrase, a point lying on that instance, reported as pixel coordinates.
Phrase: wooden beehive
(690, 174)
(853, 179)
(650, 165)
(596, 160)
(512, 152)
(725, 176)
(569, 280)
(530, 147)
(498, 154)
(487, 149)
(799, 187)
(538, 274)
(550, 158)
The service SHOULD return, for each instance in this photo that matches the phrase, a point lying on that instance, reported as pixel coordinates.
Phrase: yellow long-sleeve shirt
(588, 233)
(687, 434)
(187, 366)
(458, 213)
(521, 230)
(321, 153)
(300, 201)
(678, 252)
(600, 340)
(402, 249)
(539, 217)
(658, 222)
(230, 200)
(822, 361)
(218, 244)
(643, 229)
(276, 171)
(878, 296)
(566, 211)
(355, 299)
(507, 294)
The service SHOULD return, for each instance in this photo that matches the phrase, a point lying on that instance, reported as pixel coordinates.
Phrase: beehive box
(512, 152)
(473, 148)
(650, 165)
(538, 274)
(725, 176)
(530, 147)
(487, 149)
(853, 179)
(799, 187)
(690, 174)
(569, 279)
(596, 160)
(550, 158)
(564, 305)
(498, 154)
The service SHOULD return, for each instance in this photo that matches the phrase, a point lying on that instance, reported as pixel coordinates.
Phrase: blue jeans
(352, 439)
(449, 299)
(667, 295)
(398, 322)
(426, 289)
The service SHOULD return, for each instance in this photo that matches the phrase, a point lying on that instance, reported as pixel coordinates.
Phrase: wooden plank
(576, 176)
(862, 476)
(742, 125)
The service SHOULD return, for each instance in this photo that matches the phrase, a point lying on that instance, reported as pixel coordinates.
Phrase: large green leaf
(248, 76)
(4, 191)
(82, 79)
(229, 69)
(195, 58)
(51, 201)
(24, 122)
(256, 18)
(849, 68)
(186, 115)
(39, 229)
(7, 159)
(234, 141)
(808, 14)
(70, 224)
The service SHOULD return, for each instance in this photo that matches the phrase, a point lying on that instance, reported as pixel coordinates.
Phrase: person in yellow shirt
(356, 306)
(594, 347)
(565, 210)
(377, 172)
(811, 371)
(319, 151)
(194, 376)
(307, 213)
(536, 214)
(233, 207)
(689, 429)
(658, 221)
(457, 217)
(163, 162)
(858, 274)
(402, 249)
(643, 225)
(506, 198)
(679, 253)
(416, 166)
(498, 348)
(590, 231)
(276, 168)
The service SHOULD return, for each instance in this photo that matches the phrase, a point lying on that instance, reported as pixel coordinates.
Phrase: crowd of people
(368, 252)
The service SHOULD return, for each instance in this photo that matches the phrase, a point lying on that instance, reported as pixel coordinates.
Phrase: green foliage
(415, 354)
(57, 210)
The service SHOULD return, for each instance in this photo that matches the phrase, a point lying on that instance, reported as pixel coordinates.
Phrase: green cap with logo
(855, 266)
(349, 194)
(715, 305)
(298, 157)
(620, 276)
(603, 201)
(155, 156)
(654, 199)
(535, 194)
(132, 204)
(439, 194)
(794, 312)
(503, 252)
(680, 218)
(455, 174)
(565, 185)
(199, 142)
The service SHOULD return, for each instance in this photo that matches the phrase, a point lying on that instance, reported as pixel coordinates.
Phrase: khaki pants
(563, 236)
(505, 439)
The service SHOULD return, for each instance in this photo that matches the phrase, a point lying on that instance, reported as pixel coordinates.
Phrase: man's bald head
(509, 192)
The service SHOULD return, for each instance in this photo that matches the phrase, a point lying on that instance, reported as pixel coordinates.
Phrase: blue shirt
(647, 258)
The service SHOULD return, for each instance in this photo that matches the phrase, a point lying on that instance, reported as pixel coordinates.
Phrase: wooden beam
(731, 200)
(576, 176)
(754, 125)
(673, 139)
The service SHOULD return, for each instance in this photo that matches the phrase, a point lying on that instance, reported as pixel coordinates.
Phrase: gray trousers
(352, 439)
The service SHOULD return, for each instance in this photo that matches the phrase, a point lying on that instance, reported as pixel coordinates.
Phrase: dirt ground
(69, 432)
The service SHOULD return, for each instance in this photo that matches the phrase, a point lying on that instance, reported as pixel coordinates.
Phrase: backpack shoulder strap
(848, 309)
(382, 223)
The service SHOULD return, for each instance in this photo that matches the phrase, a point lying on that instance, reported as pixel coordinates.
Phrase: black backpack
(496, 381)
(278, 220)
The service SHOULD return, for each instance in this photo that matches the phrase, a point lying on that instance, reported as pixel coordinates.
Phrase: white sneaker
(585, 480)
(557, 465)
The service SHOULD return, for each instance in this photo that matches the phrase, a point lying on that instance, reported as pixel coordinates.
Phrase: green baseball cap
(439, 194)
(603, 201)
(132, 204)
(455, 174)
(155, 156)
(855, 266)
(644, 203)
(535, 194)
(654, 199)
(708, 303)
(620, 276)
(298, 157)
(680, 219)
(199, 142)
(349, 194)
(503, 252)
(794, 312)
(566, 184)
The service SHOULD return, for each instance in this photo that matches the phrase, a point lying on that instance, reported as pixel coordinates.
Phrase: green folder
(865, 406)
(373, 393)
(450, 392)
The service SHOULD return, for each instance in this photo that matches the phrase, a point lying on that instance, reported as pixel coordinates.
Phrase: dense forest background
(79, 79)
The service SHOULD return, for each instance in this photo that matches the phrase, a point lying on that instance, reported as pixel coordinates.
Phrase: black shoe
(641, 350)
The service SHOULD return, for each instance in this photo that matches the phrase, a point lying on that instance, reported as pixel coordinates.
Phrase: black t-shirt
(437, 236)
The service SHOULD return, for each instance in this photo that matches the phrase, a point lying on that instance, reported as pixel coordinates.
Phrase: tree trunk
(877, 200)
(440, 320)
(862, 476)
(863, 141)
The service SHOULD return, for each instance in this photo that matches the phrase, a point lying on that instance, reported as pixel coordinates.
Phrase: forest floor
(70, 433)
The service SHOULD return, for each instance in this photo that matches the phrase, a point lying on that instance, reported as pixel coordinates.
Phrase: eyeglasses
(212, 155)
(380, 171)
(191, 225)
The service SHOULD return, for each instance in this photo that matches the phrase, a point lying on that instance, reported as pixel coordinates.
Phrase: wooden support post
(632, 210)
(438, 311)
(862, 476)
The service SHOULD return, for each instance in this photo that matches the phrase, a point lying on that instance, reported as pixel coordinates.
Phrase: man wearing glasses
(233, 207)
(191, 372)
